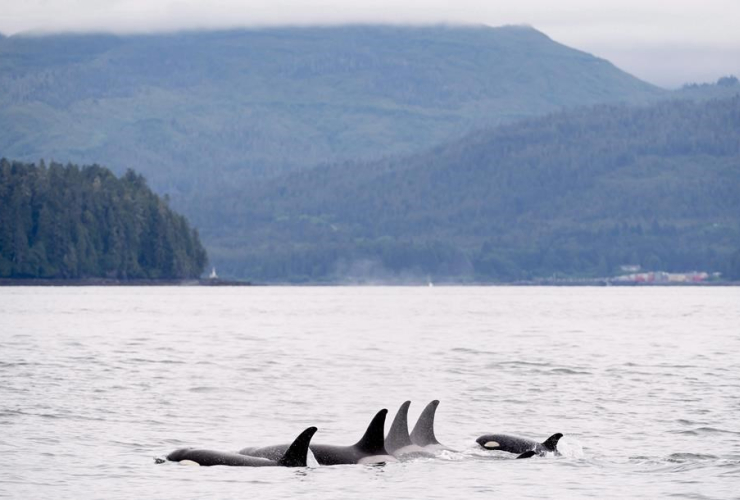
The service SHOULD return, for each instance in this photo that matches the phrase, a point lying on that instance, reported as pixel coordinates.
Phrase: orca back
(372, 443)
(208, 458)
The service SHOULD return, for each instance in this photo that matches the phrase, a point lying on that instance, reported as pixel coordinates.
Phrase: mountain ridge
(265, 101)
(579, 193)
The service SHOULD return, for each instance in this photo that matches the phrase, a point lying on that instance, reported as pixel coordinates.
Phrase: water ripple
(644, 397)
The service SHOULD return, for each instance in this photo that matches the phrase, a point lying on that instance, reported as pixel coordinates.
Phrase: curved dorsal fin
(372, 442)
(398, 436)
(295, 455)
(423, 433)
(551, 443)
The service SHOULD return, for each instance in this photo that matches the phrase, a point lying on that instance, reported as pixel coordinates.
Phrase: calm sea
(643, 382)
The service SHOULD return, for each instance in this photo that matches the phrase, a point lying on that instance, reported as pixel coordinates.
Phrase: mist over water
(643, 382)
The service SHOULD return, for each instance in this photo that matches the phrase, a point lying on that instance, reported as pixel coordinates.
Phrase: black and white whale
(398, 442)
(294, 455)
(525, 448)
(423, 433)
(370, 449)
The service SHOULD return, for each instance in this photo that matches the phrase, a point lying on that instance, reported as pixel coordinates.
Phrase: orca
(525, 448)
(398, 442)
(369, 449)
(294, 455)
(423, 433)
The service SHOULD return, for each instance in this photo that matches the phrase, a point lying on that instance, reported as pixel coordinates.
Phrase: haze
(667, 43)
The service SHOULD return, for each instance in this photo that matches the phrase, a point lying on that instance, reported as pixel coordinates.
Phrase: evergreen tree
(66, 222)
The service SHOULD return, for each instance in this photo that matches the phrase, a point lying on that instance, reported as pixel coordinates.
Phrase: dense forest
(577, 193)
(70, 222)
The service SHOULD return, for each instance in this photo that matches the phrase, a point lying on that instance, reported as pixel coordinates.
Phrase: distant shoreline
(117, 282)
(10, 282)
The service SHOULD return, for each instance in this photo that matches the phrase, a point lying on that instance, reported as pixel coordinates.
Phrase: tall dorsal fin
(295, 455)
(423, 433)
(398, 436)
(374, 439)
(551, 443)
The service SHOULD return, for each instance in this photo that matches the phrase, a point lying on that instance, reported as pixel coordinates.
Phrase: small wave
(204, 389)
(714, 430)
(675, 463)
(211, 389)
(707, 431)
(156, 361)
(569, 371)
(450, 455)
(689, 457)
(522, 363)
(15, 364)
(570, 448)
(684, 421)
(468, 350)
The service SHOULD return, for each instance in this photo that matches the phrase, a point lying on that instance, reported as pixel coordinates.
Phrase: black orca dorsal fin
(295, 455)
(527, 454)
(373, 441)
(423, 433)
(398, 436)
(551, 443)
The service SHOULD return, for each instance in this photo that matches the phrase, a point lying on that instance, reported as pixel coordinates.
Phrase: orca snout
(488, 442)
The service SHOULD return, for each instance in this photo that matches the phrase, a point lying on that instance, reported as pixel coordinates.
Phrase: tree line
(67, 222)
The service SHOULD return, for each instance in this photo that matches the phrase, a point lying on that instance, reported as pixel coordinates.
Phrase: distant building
(663, 277)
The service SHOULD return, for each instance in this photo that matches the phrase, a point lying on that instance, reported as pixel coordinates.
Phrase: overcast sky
(666, 42)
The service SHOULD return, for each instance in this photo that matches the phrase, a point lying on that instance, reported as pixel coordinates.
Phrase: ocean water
(643, 382)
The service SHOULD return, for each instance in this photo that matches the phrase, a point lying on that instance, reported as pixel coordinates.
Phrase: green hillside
(212, 109)
(577, 193)
(70, 222)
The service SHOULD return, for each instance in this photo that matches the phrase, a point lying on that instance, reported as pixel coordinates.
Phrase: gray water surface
(643, 382)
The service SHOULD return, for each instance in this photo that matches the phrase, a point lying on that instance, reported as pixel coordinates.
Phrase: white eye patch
(491, 444)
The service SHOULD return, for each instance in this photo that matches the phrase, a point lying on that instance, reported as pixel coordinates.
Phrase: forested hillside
(577, 193)
(207, 110)
(232, 124)
(70, 222)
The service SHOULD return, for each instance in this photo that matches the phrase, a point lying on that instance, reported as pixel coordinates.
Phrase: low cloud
(667, 43)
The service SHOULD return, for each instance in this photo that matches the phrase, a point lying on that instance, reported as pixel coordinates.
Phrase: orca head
(488, 442)
(179, 454)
